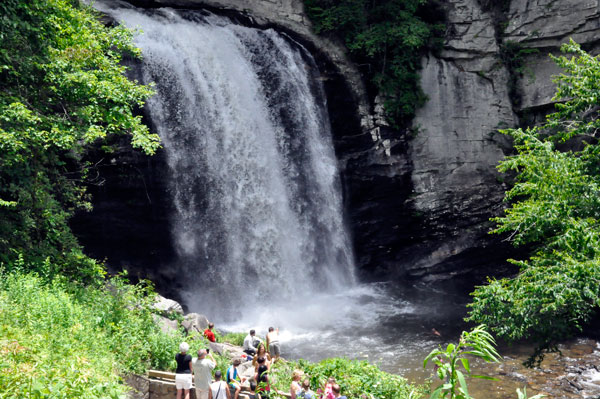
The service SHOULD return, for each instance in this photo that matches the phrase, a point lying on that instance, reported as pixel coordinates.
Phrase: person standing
(249, 348)
(203, 367)
(209, 334)
(218, 389)
(273, 343)
(183, 373)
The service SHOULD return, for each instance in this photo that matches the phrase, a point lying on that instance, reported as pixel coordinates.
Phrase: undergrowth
(59, 339)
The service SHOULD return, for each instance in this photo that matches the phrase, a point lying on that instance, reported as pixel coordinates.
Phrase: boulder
(166, 325)
(166, 305)
(194, 322)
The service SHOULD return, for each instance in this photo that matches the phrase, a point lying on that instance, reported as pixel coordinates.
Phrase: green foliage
(556, 207)
(388, 37)
(233, 338)
(62, 340)
(354, 377)
(448, 362)
(476, 343)
(62, 88)
(513, 55)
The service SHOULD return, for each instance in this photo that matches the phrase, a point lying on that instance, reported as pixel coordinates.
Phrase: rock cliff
(493, 72)
(419, 203)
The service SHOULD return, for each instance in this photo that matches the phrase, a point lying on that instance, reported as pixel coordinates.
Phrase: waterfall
(243, 120)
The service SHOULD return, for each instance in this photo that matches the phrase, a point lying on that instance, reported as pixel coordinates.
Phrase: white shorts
(183, 381)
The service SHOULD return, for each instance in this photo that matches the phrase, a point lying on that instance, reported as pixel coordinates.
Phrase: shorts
(274, 349)
(183, 381)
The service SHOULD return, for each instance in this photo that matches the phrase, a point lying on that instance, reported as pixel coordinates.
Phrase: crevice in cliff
(510, 52)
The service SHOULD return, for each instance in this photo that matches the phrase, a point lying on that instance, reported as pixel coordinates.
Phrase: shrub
(555, 209)
(355, 378)
(62, 88)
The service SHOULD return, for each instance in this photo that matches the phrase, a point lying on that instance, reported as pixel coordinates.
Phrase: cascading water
(258, 224)
(243, 120)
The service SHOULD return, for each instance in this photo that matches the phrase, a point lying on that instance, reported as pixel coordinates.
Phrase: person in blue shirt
(233, 378)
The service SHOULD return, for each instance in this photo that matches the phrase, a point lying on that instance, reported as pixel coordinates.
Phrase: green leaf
(465, 363)
(463, 383)
(484, 377)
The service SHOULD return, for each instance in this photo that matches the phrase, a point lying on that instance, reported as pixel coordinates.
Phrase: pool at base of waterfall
(396, 327)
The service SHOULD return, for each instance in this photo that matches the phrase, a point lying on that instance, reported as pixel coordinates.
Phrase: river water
(396, 327)
(388, 325)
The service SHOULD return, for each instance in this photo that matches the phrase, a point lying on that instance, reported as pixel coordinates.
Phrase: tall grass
(62, 340)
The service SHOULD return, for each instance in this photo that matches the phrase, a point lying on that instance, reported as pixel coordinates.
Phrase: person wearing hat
(218, 389)
(203, 368)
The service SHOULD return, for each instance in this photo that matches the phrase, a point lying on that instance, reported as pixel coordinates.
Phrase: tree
(387, 39)
(62, 88)
(555, 206)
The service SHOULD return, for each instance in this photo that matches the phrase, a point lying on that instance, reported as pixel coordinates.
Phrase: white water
(259, 225)
(242, 117)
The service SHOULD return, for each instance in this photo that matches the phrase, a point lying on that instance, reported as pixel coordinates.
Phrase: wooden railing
(167, 376)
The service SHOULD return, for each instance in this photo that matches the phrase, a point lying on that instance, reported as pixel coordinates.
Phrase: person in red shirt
(209, 334)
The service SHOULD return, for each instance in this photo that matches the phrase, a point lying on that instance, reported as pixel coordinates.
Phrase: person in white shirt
(248, 346)
(203, 368)
(218, 389)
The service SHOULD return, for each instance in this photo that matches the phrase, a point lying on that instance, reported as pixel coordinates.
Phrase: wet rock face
(454, 153)
(472, 94)
(549, 23)
(129, 225)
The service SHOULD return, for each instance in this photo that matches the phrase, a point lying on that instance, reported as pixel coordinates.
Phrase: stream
(397, 327)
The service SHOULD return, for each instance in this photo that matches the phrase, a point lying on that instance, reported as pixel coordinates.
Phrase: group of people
(200, 370)
(252, 345)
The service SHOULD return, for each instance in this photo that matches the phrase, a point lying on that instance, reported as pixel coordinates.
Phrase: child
(233, 378)
(328, 394)
(252, 394)
(306, 392)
